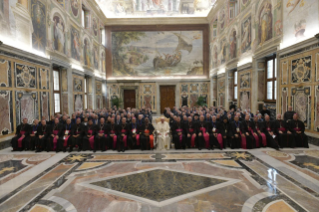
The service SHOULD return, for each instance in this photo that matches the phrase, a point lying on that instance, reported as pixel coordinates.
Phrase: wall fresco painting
(157, 53)
(5, 76)
(233, 44)
(244, 80)
(245, 100)
(75, 44)
(96, 56)
(265, 19)
(59, 41)
(25, 76)
(301, 103)
(38, 16)
(87, 53)
(65, 103)
(6, 115)
(78, 84)
(246, 35)
(301, 20)
(75, 9)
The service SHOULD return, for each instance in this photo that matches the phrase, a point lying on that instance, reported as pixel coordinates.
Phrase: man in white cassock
(163, 138)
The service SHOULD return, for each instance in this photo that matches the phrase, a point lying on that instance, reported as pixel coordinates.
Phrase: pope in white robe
(163, 138)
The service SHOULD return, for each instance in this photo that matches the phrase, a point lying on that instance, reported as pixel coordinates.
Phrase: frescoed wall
(78, 92)
(244, 89)
(53, 28)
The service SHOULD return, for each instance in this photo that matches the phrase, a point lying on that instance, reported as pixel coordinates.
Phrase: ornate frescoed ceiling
(155, 8)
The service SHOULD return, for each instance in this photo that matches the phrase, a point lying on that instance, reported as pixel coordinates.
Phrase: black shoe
(94, 151)
(70, 150)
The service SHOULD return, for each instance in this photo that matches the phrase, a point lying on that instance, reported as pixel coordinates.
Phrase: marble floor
(263, 180)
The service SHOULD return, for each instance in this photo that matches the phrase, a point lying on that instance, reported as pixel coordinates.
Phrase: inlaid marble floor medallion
(261, 180)
(159, 186)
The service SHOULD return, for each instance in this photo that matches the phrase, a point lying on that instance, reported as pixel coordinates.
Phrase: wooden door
(129, 99)
(167, 96)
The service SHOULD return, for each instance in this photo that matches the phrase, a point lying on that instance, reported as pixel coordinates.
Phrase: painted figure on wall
(222, 53)
(39, 25)
(75, 6)
(300, 28)
(222, 19)
(75, 44)
(246, 35)
(96, 57)
(87, 53)
(59, 34)
(265, 23)
(215, 57)
(233, 45)
(95, 28)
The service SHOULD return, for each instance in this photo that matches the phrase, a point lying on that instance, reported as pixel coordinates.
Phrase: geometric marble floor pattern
(262, 180)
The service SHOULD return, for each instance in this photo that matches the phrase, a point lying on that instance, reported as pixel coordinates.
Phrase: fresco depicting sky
(155, 8)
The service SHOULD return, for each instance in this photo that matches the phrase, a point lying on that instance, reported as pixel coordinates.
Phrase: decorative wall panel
(261, 85)
(284, 100)
(78, 102)
(26, 106)
(316, 109)
(245, 100)
(147, 95)
(5, 76)
(284, 73)
(65, 103)
(44, 78)
(221, 91)
(25, 76)
(244, 80)
(302, 103)
(191, 91)
(301, 70)
(99, 102)
(78, 83)
(64, 79)
(317, 67)
(244, 89)
(45, 105)
(6, 115)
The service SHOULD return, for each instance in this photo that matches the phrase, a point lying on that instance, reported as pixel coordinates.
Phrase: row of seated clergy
(103, 136)
(246, 134)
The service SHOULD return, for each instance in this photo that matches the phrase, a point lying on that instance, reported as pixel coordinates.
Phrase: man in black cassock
(190, 132)
(123, 130)
(178, 135)
(100, 137)
(22, 134)
(76, 138)
(201, 129)
(213, 129)
(285, 136)
(33, 138)
(65, 136)
(226, 131)
(236, 132)
(43, 132)
(247, 129)
(55, 134)
(88, 138)
(269, 130)
(297, 128)
(111, 134)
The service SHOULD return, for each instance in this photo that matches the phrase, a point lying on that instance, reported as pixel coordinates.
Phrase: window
(103, 36)
(56, 92)
(85, 94)
(271, 79)
(235, 85)
(231, 13)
